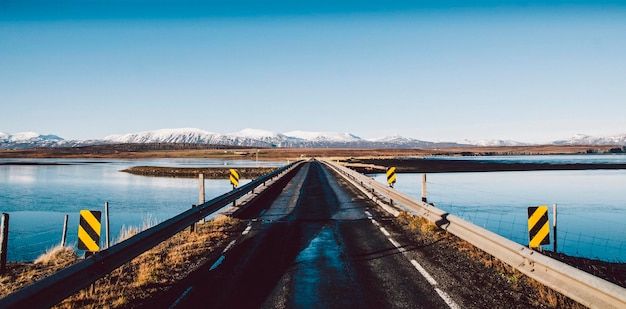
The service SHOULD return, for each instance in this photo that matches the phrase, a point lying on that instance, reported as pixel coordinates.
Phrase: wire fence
(586, 227)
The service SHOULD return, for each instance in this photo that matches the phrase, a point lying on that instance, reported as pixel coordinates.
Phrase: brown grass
(425, 231)
(145, 276)
(155, 270)
(19, 275)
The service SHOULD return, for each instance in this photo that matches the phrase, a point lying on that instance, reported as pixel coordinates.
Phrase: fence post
(554, 226)
(424, 192)
(4, 240)
(192, 227)
(64, 238)
(201, 193)
(106, 225)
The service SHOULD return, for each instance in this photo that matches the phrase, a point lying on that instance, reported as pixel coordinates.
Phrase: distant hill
(268, 139)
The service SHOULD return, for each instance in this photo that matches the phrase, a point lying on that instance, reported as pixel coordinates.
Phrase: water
(37, 197)
(591, 204)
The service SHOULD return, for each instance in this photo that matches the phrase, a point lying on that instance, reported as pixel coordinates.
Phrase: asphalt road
(316, 245)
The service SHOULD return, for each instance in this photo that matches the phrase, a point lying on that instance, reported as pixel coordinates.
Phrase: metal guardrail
(60, 285)
(576, 284)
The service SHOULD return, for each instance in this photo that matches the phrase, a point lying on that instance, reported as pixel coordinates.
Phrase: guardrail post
(554, 227)
(107, 233)
(4, 241)
(64, 238)
(424, 192)
(192, 227)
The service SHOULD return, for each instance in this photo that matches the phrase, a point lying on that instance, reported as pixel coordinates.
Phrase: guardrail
(51, 290)
(576, 284)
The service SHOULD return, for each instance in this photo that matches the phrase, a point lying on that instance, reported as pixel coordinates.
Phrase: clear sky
(530, 71)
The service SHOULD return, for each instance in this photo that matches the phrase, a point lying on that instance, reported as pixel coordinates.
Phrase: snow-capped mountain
(494, 143)
(30, 140)
(186, 136)
(263, 138)
(582, 139)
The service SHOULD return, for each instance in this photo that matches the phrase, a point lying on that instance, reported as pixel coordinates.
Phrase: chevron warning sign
(538, 226)
(234, 177)
(89, 230)
(391, 176)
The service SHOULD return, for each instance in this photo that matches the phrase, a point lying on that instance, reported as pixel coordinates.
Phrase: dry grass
(19, 275)
(427, 232)
(129, 285)
(155, 270)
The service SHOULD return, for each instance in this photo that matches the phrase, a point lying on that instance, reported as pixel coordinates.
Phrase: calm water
(591, 204)
(37, 197)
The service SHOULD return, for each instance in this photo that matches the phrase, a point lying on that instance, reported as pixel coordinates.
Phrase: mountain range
(262, 138)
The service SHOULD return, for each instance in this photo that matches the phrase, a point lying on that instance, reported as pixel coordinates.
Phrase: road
(316, 245)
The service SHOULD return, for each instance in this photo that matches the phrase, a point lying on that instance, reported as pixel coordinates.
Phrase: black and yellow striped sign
(234, 177)
(391, 176)
(89, 230)
(538, 226)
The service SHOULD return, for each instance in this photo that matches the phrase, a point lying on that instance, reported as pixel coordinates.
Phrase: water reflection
(591, 204)
(37, 197)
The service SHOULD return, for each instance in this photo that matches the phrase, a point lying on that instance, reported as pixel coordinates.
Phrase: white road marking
(247, 230)
(217, 263)
(368, 214)
(230, 245)
(447, 299)
(382, 229)
(424, 273)
(395, 244)
(444, 296)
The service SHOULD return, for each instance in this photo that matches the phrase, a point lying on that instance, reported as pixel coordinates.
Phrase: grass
(155, 270)
(426, 232)
(136, 281)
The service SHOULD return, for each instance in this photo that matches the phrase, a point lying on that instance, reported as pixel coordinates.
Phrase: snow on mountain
(263, 138)
(273, 138)
(494, 143)
(582, 139)
(185, 136)
(324, 136)
(29, 140)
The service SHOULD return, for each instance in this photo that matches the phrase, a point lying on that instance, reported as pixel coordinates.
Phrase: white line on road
(382, 229)
(447, 299)
(424, 273)
(247, 230)
(368, 214)
(217, 263)
(444, 296)
(230, 245)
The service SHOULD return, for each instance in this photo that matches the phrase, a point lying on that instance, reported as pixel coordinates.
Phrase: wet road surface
(316, 245)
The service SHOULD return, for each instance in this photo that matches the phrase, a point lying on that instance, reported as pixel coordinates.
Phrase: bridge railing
(576, 284)
(60, 285)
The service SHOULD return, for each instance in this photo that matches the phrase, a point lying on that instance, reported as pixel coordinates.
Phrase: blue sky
(433, 70)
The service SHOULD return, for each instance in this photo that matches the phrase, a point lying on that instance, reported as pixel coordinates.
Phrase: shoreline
(377, 166)
(193, 172)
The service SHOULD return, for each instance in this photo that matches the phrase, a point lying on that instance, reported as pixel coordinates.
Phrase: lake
(591, 203)
(37, 197)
